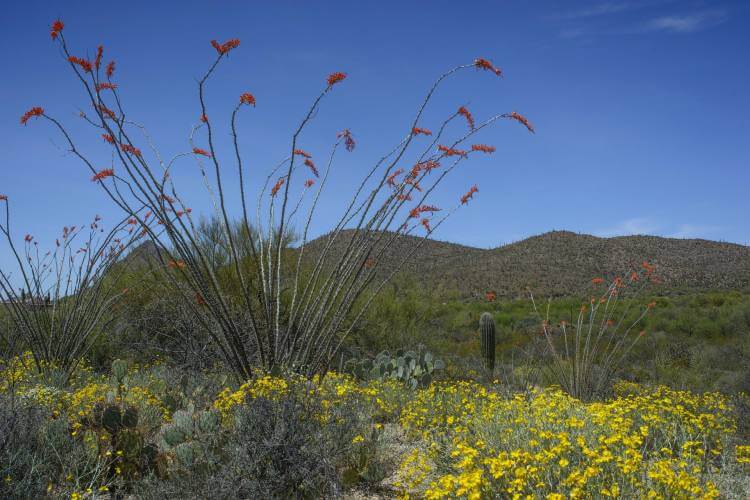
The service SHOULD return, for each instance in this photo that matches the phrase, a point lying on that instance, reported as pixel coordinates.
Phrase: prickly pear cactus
(119, 370)
(487, 333)
(414, 369)
(192, 440)
(112, 419)
(120, 441)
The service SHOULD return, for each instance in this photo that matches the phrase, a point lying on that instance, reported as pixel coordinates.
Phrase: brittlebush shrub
(289, 436)
(475, 443)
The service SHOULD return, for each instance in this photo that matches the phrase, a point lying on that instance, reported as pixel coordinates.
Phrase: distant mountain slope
(562, 263)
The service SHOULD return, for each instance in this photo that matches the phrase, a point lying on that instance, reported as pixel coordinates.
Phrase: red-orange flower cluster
(414, 171)
(36, 111)
(491, 296)
(451, 151)
(467, 114)
(410, 180)
(108, 138)
(56, 28)
(416, 211)
(423, 131)
(202, 152)
(335, 78)
(204, 118)
(176, 264)
(369, 263)
(309, 163)
(85, 64)
(469, 194)
(98, 59)
(130, 149)
(277, 186)
(302, 153)
(225, 47)
(427, 166)
(309, 183)
(597, 281)
(349, 143)
(106, 86)
(106, 111)
(522, 120)
(3, 197)
(483, 148)
(648, 267)
(28, 238)
(110, 69)
(426, 223)
(247, 98)
(102, 174)
(486, 65)
(391, 179)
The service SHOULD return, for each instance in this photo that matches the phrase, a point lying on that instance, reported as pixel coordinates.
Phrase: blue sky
(641, 107)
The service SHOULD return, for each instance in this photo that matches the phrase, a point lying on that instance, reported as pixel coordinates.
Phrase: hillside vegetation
(557, 263)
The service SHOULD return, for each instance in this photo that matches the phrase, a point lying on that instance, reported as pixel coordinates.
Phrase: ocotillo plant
(487, 333)
(588, 354)
(66, 295)
(288, 313)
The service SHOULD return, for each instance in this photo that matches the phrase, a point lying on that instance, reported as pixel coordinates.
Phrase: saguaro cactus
(487, 332)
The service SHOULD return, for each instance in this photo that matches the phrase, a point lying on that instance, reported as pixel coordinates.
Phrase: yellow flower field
(463, 439)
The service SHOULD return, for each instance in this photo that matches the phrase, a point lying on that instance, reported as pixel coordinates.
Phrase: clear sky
(641, 107)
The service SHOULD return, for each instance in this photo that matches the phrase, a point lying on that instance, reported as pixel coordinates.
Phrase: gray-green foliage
(119, 370)
(413, 368)
(192, 440)
(487, 332)
(37, 451)
(271, 449)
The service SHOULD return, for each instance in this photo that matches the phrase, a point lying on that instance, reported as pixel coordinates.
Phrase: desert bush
(21, 470)
(287, 436)
(66, 296)
(471, 441)
(290, 314)
(40, 458)
(165, 328)
(280, 438)
(283, 451)
(586, 355)
(275, 449)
